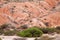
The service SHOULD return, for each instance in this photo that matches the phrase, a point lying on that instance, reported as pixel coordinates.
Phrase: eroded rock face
(30, 12)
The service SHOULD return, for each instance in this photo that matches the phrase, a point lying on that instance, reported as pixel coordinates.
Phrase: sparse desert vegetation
(27, 32)
(33, 32)
(0, 39)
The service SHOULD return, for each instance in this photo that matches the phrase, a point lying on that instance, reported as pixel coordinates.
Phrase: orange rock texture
(42, 13)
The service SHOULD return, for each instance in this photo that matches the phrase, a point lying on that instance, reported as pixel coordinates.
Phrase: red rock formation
(41, 13)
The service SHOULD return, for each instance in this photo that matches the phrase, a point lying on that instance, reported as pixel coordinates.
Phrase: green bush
(0, 39)
(1, 31)
(58, 27)
(9, 33)
(47, 30)
(57, 31)
(31, 32)
(3, 26)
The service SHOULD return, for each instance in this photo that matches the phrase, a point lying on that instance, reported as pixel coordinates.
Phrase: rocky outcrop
(45, 13)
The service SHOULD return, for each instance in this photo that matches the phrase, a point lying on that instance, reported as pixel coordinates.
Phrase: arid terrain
(42, 13)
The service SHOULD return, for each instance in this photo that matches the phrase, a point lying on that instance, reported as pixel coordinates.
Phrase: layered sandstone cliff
(43, 13)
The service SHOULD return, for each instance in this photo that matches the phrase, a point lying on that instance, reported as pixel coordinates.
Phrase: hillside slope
(30, 12)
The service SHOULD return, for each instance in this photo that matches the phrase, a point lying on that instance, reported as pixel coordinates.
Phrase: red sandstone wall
(20, 13)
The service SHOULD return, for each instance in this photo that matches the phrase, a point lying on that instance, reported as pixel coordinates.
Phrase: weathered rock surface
(30, 12)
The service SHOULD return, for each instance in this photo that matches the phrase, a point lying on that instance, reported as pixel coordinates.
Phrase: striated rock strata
(42, 13)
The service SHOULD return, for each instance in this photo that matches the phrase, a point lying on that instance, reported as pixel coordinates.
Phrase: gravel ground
(12, 37)
(56, 36)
